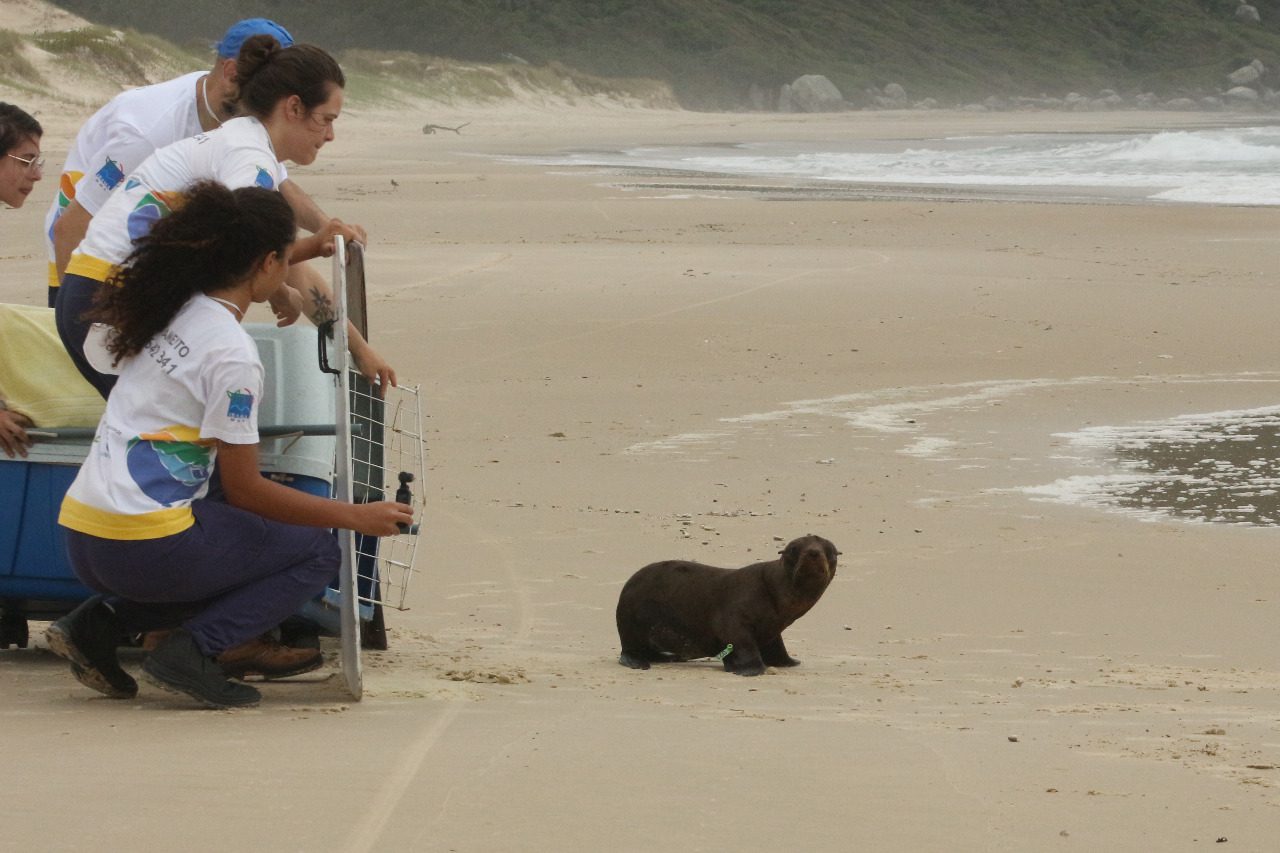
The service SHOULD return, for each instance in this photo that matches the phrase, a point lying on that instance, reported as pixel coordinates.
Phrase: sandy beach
(616, 373)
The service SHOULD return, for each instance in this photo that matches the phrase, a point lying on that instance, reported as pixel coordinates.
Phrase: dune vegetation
(711, 52)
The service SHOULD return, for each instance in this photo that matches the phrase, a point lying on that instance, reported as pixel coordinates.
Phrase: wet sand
(617, 374)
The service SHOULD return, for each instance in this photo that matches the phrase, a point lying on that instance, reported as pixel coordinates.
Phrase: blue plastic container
(33, 552)
(36, 579)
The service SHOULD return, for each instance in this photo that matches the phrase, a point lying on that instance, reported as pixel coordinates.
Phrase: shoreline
(1099, 166)
(804, 190)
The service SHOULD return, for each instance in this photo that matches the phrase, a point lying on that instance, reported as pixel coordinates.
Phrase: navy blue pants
(75, 298)
(228, 578)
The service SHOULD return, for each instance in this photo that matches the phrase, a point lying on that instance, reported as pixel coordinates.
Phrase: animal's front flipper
(744, 659)
(774, 653)
(635, 660)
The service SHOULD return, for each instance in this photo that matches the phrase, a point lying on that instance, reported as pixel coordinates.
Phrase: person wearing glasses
(22, 164)
(20, 167)
(291, 97)
(38, 384)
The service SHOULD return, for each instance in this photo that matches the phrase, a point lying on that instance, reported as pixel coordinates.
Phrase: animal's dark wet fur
(678, 610)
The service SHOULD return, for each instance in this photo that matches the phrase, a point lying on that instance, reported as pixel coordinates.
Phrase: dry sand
(611, 376)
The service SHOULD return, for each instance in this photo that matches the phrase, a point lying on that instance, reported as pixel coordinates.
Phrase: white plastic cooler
(296, 392)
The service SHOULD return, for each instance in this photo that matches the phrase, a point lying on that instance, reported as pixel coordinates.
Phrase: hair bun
(255, 54)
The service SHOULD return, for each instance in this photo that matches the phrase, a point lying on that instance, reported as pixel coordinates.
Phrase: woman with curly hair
(140, 527)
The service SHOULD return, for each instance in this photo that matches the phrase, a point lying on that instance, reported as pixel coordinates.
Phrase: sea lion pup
(677, 610)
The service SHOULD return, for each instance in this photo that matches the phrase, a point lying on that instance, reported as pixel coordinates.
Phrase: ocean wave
(1223, 166)
(1197, 147)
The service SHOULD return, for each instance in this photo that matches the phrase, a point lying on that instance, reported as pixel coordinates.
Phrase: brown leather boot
(264, 656)
(151, 639)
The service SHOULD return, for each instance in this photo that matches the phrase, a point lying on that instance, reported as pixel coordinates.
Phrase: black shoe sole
(176, 684)
(61, 644)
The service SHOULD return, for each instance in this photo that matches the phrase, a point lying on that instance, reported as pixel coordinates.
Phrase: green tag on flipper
(724, 654)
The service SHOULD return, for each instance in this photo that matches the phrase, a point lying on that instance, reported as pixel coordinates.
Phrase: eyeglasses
(34, 163)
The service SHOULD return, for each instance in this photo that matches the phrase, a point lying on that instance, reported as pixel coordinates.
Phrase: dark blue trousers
(74, 299)
(230, 577)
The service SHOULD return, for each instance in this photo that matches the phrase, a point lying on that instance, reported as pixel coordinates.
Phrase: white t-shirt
(117, 138)
(238, 154)
(198, 380)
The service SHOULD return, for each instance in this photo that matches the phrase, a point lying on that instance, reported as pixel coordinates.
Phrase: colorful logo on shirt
(264, 179)
(168, 466)
(110, 175)
(67, 187)
(241, 405)
(66, 194)
(150, 209)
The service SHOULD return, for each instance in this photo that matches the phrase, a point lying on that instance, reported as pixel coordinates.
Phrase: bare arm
(319, 244)
(286, 303)
(317, 298)
(247, 489)
(315, 220)
(317, 303)
(305, 209)
(68, 231)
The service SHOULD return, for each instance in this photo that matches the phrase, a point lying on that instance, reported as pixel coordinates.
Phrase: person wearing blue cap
(126, 132)
(229, 47)
(129, 127)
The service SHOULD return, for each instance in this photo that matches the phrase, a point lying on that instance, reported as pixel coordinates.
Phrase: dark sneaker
(268, 658)
(178, 665)
(88, 636)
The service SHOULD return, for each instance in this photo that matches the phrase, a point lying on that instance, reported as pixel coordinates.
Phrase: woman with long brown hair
(291, 97)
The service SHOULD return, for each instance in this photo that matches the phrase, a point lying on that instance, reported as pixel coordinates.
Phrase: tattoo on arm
(321, 307)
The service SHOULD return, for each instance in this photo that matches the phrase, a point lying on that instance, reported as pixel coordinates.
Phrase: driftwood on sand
(432, 128)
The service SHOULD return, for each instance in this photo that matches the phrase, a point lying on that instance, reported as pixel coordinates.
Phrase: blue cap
(229, 47)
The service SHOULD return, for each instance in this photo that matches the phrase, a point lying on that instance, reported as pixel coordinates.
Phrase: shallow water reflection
(1201, 468)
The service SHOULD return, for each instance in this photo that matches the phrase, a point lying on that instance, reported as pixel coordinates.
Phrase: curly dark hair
(16, 125)
(267, 72)
(216, 237)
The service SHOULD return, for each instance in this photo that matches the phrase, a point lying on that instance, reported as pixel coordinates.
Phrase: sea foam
(1216, 166)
